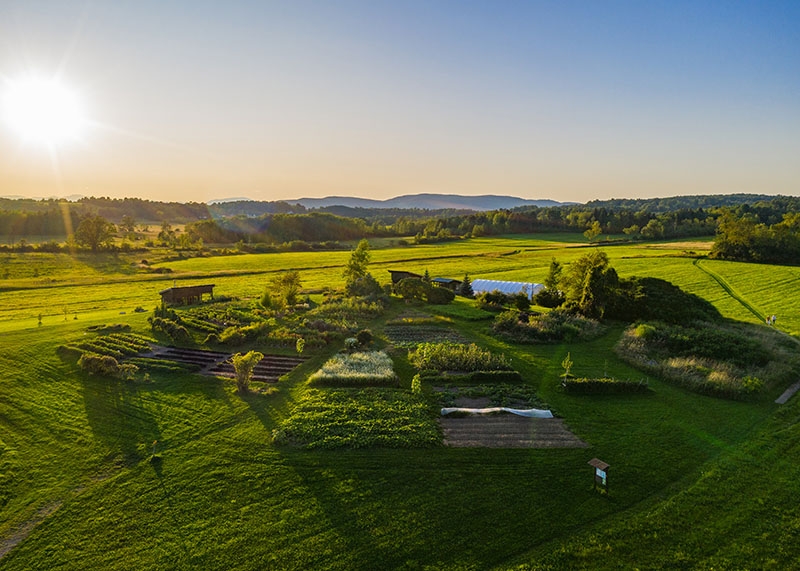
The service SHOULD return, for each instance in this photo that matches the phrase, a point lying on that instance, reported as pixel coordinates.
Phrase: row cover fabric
(508, 288)
(529, 412)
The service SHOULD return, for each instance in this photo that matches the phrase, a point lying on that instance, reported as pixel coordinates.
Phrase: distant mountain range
(429, 202)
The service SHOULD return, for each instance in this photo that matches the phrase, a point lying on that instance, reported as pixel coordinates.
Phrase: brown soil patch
(507, 430)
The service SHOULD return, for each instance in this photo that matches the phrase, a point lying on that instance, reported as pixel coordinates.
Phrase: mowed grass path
(225, 497)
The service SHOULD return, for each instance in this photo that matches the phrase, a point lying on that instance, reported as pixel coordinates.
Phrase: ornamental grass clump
(360, 369)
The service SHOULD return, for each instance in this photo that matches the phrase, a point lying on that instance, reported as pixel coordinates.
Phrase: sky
(563, 100)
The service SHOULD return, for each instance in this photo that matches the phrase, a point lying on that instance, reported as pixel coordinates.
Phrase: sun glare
(42, 111)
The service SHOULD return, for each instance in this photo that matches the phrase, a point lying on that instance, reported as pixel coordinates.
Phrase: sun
(42, 111)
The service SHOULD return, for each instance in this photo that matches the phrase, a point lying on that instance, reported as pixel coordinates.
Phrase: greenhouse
(508, 288)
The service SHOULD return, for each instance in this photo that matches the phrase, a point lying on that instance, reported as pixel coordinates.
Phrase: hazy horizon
(570, 101)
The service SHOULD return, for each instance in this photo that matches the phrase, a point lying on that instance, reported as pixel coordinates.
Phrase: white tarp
(529, 412)
(508, 288)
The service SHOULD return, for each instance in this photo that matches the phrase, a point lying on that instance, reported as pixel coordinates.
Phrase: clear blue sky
(277, 100)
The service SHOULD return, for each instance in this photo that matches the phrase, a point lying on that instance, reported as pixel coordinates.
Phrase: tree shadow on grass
(119, 419)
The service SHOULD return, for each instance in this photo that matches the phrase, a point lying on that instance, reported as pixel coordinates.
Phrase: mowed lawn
(77, 490)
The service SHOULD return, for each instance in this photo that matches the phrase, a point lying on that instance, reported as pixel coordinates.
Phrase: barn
(398, 275)
(508, 288)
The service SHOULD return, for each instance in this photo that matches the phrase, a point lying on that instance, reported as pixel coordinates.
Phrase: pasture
(695, 481)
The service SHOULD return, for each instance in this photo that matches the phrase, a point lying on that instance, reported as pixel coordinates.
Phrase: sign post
(600, 474)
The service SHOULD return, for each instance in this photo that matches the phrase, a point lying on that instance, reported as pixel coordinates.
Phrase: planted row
(603, 386)
(456, 357)
(366, 368)
(371, 417)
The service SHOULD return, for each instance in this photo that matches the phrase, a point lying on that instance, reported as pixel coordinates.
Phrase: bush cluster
(106, 366)
(498, 301)
(555, 327)
(707, 359)
(174, 330)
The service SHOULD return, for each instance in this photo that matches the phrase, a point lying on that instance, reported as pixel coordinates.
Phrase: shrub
(439, 295)
(549, 298)
(364, 337)
(492, 300)
(106, 366)
(243, 366)
(172, 329)
(554, 327)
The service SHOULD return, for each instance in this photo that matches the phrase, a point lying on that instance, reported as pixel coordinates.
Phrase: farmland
(696, 481)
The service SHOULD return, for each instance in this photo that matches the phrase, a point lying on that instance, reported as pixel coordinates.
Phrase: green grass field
(695, 482)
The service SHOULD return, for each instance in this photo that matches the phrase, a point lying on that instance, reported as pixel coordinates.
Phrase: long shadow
(118, 418)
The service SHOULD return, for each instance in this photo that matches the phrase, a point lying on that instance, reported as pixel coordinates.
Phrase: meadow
(695, 481)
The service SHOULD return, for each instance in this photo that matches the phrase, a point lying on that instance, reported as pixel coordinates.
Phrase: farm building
(186, 295)
(508, 288)
(398, 275)
(449, 283)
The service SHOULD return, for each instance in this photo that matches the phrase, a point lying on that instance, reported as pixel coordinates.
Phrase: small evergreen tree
(465, 288)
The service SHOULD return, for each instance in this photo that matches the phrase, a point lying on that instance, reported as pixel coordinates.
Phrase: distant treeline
(748, 227)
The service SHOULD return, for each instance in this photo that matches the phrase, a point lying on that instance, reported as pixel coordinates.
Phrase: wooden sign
(600, 474)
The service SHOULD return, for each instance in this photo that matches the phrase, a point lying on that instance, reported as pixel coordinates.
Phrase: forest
(746, 227)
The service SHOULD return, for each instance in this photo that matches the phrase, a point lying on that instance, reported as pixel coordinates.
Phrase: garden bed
(505, 430)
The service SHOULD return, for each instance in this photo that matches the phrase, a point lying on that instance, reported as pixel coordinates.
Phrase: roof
(188, 290)
(508, 288)
(445, 280)
(599, 464)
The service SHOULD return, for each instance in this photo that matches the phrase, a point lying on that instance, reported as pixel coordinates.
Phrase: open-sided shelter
(186, 295)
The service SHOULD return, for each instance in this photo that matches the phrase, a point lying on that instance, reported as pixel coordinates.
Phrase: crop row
(359, 369)
(409, 335)
(369, 417)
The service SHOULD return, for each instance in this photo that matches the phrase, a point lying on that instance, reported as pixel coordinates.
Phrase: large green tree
(590, 284)
(95, 232)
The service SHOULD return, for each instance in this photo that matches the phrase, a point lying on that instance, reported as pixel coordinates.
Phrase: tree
(411, 288)
(167, 233)
(95, 232)
(591, 284)
(465, 287)
(357, 264)
(593, 231)
(243, 366)
(128, 224)
(567, 364)
(551, 295)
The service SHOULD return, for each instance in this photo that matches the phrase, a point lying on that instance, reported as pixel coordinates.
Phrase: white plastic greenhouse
(508, 288)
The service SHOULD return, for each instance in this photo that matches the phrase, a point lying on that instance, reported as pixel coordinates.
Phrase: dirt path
(788, 393)
(24, 529)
